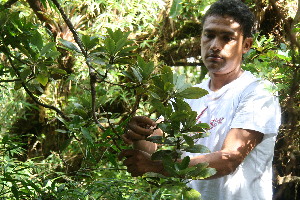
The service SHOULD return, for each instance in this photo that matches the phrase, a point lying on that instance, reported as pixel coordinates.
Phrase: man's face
(222, 44)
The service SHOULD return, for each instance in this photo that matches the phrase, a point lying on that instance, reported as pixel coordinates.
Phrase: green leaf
(189, 140)
(69, 45)
(197, 148)
(42, 79)
(155, 139)
(164, 154)
(184, 163)
(25, 73)
(52, 54)
(199, 127)
(120, 44)
(192, 93)
(158, 106)
(47, 48)
(175, 8)
(146, 68)
(201, 171)
(167, 74)
(89, 42)
(200, 135)
(159, 140)
(179, 82)
(126, 50)
(86, 134)
(15, 191)
(58, 71)
(110, 46)
(137, 74)
(37, 40)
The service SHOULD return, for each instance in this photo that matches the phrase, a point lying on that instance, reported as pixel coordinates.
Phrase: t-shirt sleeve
(258, 109)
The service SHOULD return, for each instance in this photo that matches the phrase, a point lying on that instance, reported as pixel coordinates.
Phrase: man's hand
(139, 128)
(139, 162)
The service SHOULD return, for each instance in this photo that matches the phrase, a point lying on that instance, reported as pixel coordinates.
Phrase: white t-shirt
(246, 103)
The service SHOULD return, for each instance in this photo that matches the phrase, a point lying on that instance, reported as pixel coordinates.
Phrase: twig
(58, 111)
(85, 54)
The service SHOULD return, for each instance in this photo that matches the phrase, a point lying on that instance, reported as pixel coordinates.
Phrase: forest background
(73, 73)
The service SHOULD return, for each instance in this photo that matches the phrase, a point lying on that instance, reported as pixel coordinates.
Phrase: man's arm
(237, 145)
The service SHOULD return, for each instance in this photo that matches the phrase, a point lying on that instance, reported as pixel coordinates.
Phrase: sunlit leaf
(192, 93)
(197, 148)
(69, 45)
(42, 79)
(175, 8)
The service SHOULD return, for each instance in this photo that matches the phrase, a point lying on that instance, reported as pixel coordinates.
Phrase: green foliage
(81, 162)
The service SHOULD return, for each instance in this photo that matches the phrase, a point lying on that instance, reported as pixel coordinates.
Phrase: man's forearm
(225, 162)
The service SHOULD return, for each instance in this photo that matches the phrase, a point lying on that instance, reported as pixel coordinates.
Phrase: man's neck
(219, 80)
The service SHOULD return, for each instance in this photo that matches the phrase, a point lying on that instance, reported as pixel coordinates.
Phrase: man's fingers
(134, 136)
(126, 140)
(127, 153)
(141, 125)
(138, 129)
(143, 120)
(129, 161)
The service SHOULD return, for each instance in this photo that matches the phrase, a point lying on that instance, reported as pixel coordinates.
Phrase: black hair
(235, 9)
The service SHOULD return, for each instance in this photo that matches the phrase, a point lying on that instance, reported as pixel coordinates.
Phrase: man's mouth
(214, 57)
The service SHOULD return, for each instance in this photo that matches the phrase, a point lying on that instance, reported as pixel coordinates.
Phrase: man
(243, 114)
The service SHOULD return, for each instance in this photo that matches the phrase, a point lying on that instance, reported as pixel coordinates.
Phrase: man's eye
(209, 35)
(228, 38)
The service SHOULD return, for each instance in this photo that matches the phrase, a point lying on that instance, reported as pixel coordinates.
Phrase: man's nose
(216, 44)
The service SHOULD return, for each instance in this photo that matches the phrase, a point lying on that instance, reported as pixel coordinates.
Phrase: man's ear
(247, 44)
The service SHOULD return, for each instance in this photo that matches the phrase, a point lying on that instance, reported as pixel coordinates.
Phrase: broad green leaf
(184, 163)
(137, 74)
(175, 8)
(189, 140)
(168, 86)
(116, 35)
(89, 42)
(98, 61)
(124, 51)
(69, 45)
(159, 140)
(52, 54)
(158, 106)
(197, 148)
(169, 165)
(42, 79)
(58, 71)
(155, 139)
(47, 48)
(192, 93)
(179, 116)
(25, 73)
(110, 46)
(179, 82)
(37, 40)
(164, 154)
(200, 135)
(120, 44)
(181, 105)
(199, 127)
(201, 171)
(86, 134)
(167, 74)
